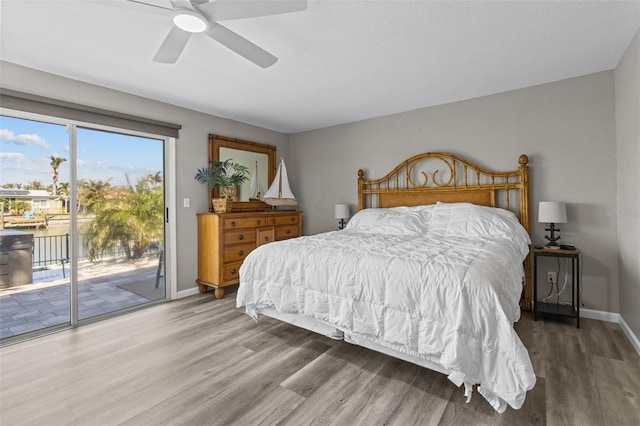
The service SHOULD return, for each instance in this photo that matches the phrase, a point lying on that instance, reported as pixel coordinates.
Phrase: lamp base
(552, 239)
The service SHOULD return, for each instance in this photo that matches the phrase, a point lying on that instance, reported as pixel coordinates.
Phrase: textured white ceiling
(339, 61)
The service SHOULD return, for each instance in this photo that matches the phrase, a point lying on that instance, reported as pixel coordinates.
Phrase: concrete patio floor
(45, 303)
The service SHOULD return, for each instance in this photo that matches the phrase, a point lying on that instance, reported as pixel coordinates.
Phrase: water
(51, 245)
(58, 227)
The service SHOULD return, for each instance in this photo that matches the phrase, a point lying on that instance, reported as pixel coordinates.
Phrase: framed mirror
(259, 158)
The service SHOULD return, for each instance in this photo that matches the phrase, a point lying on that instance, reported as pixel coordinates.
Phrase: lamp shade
(552, 212)
(342, 211)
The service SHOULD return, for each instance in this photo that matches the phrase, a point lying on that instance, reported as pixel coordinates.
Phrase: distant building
(40, 201)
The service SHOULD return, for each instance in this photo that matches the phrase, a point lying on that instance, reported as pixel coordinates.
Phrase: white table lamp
(552, 212)
(341, 212)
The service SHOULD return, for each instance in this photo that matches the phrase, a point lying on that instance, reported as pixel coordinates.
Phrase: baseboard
(187, 292)
(630, 334)
(613, 317)
(600, 315)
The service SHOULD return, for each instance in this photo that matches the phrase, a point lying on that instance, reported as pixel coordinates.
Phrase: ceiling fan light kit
(190, 21)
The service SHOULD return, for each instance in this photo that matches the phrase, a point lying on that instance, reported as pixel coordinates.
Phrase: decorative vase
(231, 192)
(222, 205)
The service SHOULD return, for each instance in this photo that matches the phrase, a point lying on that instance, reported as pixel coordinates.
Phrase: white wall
(567, 129)
(192, 151)
(627, 96)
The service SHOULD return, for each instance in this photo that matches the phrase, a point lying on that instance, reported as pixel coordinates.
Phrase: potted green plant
(225, 176)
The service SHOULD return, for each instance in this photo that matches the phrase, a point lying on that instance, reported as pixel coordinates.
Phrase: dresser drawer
(237, 253)
(264, 236)
(239, 223)
(240, 236)
(284, 220)
(231, 272)
(285, 232)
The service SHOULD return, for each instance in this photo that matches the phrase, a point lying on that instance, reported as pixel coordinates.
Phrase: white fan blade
(172, 46)
(240, 45)
(181, 4)
(138, 6)
(222, 10)
(156, 4)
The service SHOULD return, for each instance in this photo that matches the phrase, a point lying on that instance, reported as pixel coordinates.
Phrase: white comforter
(431, 294)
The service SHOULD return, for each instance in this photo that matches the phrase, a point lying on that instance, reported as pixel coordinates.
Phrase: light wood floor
(200, 361)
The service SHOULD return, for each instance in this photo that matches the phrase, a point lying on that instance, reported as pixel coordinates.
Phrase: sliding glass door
(120, 226)
(91, 202)
(34, 235)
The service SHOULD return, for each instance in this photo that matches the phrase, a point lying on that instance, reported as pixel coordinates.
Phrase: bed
(432, 269)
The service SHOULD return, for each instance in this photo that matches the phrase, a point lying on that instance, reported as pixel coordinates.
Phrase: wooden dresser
(225, 239)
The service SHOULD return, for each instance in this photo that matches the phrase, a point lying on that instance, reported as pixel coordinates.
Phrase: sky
(26, 148)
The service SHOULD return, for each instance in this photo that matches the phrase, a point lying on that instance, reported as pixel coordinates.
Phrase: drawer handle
(233, 224)
(241, 253)
(258, 221)
(288, 231)
(241, 237)
(266, 238)
(233, 271)
(293, 219)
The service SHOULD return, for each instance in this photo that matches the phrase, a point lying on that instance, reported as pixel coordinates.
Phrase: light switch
(186, 202)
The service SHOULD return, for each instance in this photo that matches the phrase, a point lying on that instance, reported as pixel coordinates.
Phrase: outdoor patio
(103, 287)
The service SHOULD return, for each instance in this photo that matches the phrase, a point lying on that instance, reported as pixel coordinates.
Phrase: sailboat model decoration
(279, 193)
(255, 189)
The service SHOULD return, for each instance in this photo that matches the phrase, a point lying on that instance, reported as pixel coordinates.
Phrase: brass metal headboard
(439, 176)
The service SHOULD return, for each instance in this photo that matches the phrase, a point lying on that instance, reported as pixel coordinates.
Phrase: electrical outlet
(186, 202)
(552, 277)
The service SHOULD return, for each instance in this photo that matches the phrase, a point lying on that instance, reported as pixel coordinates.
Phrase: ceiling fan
(202, 16)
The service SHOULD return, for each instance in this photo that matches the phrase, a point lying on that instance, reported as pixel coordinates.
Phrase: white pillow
(391, 221)
(466, 220)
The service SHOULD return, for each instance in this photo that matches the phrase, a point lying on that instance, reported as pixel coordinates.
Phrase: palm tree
(91, 192)
(155, 178)
(34, 185)
(55, 163)
(12, 186)
(64, 194)
(132, 221)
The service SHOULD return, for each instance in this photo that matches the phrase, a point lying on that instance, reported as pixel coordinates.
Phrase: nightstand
(572, 310)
